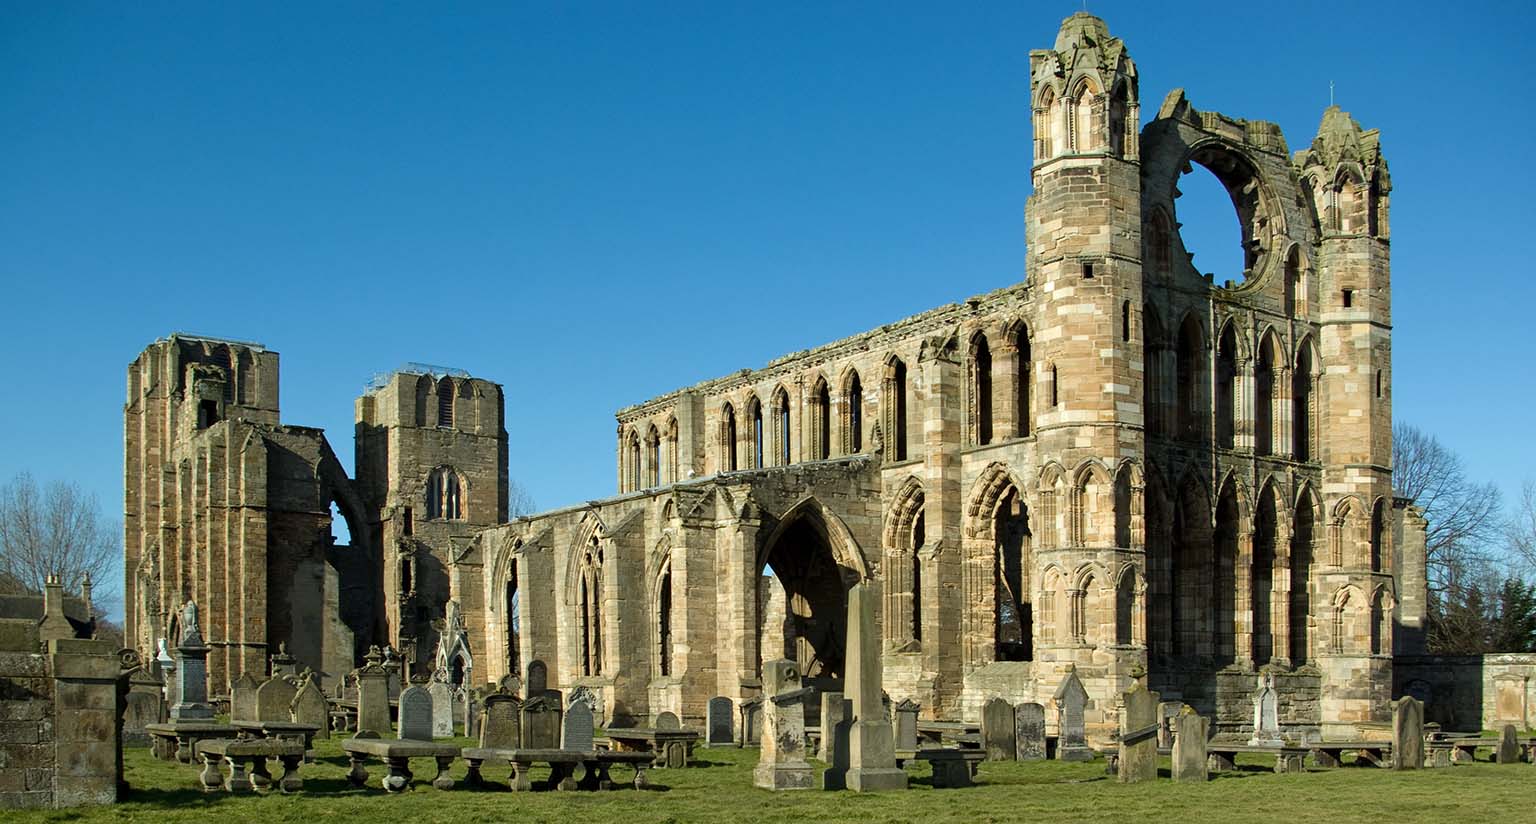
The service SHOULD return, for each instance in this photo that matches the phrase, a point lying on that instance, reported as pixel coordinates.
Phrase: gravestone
(576, 730)
(719, 727)
(1190, 731)
(1509, 692)
(273, 699)
(1166, 712)
(871, 740)
(1029, 726)
(166, 663)
(538, 678)
(415, 714)
(283, 664)
(372, 694)
(667, 721)
(1138, 735)
(751, 721)
(541, 723)
(191, 671)
(1072, 733)
(781, 763)
(1509, 746)
(499, 726)
(999, 739)
(442, 708)
(906, 724)
(143, 704)
(242, 698)
(836, 718)
(510, 684)
(310, 707)
(472, 707)
(1266, 714)
(1407, 733)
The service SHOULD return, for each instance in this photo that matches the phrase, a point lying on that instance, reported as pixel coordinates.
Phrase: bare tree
(519, 500)
(1464, 517)
(54, 531)
(1520, 532)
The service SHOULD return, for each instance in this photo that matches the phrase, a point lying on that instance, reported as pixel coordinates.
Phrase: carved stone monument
(781, 762)
(373, 694)
(1138, 735)
(1072, 733)
(871, 741)
(1266, 714)
(191, 671)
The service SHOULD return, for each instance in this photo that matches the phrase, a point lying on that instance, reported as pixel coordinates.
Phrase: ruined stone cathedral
(1115, 466)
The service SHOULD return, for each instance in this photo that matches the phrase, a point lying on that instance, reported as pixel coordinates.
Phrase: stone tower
(432, 466)
(1084, 239)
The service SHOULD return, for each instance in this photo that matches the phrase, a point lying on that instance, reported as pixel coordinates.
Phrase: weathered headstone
(1166, 712)
(191, 671)
(541, 723)
(720, 726)
(273, 699)
(372, 695)
(1138, 735)
(415, 714)
(1407, 733)
(905, 713)
(781, 763)
(499, 726)
(510, 684)
(471, 708)
(836, 718)
(242, 698)
(998, 738)
(442, 708)
(1189, 747)
(144, 704)
(1072, 732)
(1509, 746)
(751, 721)
(538, 678)
(1029, 726)
(1266, 714)
(310, 707)
(576, 729)
(871, 740)
(667, 721)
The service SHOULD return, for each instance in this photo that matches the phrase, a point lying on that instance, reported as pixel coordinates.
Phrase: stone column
(871, 741)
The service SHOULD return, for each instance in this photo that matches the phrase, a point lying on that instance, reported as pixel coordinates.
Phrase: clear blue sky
(597, 203)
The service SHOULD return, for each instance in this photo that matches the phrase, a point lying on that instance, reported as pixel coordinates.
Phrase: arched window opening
(1378, 384)
(634, 461)
(759, 454)
(1055, 381)
(1293, 285)
(1125, 322)
(1302, 404)
(1211, 215)
(1043, 117)
(514, 620)
(1226, 389)
(407, 581)
(653, 457)
(1264, 399)
(919, 538)
(821, 400)
(1022, 379)
(1189, 367)
(1153, 353)
(445, 402)
(1125, 610)
(591, 591)
(1265, 530)
(445, 495)
(423, 388)
(781, 428)
(728, 437)
(1124, 503)
(1380, 627)
(1303, 537)
(981, 390)
(664, 627)
(896, 400)
(1088, 622)
(1160, 243)
(1226, 546)
(673, 475)
(1378, 537)
(855, 433)
(1011, 570)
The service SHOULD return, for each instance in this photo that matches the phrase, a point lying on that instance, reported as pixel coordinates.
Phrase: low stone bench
(672, 748)
(952, 767)
(1287, 759)
(396, 753)
(175, 741)
(1331, 753)
(246, 759)
(562, 767)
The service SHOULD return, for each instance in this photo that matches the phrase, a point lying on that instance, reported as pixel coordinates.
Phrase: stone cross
(1266, 714)
(1190, 732)
(781, 763)
(415, 714)
(576, 730)
(242, 698)
(499, 729)
(442, 709)
(191, 672)
(906, 724)
(667, 721)
(836, 718)
(999, 739)
(719, 726)
(273, 699)
(309, 707)
(871, 741)
(1407, 733)
(1072, 735)
(1138, 735)
(1029, 726)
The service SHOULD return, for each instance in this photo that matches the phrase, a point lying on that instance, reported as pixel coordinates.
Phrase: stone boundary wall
(1466, 693)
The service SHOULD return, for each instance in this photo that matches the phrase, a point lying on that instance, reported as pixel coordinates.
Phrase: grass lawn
(719, 789)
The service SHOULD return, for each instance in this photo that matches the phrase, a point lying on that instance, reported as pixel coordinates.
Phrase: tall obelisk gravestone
(871, 741)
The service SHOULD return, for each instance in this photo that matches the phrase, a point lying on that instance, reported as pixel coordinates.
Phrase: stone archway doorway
(803, 598)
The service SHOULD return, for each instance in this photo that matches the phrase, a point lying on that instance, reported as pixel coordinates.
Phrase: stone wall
(60, 734)
(1467, 693)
